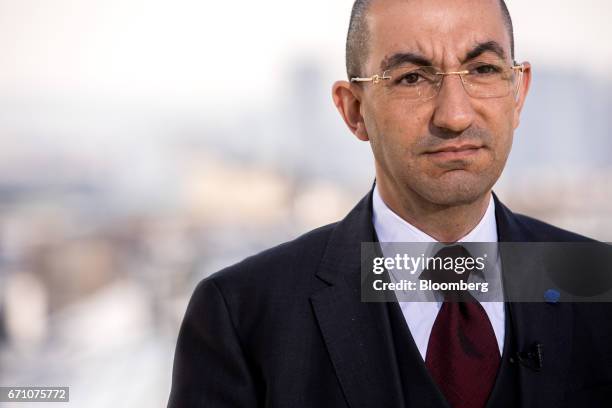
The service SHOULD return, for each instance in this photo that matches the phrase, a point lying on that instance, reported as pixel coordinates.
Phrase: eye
(410, 78)
(486, 69)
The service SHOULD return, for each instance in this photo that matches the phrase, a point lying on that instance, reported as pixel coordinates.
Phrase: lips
(455, 152)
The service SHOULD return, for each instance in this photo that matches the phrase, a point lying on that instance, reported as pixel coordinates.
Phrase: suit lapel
(547, 324)
(357, 334)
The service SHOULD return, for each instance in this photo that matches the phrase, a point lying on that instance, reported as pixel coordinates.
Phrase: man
(435, 90)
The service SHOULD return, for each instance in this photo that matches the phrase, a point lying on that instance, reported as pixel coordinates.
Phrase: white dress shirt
(420, 316)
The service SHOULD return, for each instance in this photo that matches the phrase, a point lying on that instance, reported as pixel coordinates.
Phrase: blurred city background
(145, 145)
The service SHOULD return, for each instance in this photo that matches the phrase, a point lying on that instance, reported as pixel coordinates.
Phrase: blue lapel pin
(552, 296)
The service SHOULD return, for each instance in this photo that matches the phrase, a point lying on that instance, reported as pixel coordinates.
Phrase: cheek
(498, 119)
(504, 133)
(403, 125)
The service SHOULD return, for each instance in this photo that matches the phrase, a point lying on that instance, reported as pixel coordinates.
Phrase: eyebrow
(400, 58)
(489, 46)
(403, 58)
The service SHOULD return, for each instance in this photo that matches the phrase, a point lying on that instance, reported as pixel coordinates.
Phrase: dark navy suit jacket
(286, 328)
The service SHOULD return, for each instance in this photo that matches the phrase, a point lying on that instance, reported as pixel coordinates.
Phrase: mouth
(454, 152)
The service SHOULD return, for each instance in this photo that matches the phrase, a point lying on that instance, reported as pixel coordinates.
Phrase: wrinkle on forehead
(442, 31)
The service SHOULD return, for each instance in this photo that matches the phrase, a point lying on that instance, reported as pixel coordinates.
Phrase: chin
(455, 191)
(455, 198)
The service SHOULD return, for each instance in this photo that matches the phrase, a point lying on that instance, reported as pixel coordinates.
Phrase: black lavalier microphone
(531, 358)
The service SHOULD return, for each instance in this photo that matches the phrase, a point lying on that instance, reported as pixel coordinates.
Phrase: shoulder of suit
(540, 231)
(280, 262)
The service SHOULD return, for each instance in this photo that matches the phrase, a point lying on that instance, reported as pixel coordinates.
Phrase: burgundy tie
(462, 353)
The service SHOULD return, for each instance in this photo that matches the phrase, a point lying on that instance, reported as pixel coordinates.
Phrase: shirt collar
(390, 227)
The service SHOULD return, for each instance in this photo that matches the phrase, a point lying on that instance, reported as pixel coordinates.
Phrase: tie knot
(449, 267)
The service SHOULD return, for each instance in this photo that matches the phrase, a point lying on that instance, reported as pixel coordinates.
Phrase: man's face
(474, 134)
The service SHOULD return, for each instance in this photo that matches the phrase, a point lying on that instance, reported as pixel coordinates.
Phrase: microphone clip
(532, 358)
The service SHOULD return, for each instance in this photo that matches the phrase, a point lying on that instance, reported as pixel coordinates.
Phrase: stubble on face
(445, 181)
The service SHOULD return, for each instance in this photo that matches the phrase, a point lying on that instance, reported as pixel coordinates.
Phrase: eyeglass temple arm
(374, 79)
(520, 68)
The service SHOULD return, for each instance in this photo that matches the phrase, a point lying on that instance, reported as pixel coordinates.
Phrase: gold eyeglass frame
(375, 79)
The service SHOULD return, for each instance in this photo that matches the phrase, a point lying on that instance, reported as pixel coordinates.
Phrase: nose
(453, 106)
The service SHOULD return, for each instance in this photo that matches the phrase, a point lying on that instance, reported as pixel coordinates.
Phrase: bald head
(357, 42)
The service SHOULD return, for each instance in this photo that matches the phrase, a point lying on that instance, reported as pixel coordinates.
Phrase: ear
(347, 99)
(521, 92)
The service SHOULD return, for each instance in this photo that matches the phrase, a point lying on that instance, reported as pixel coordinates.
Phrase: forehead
(443, 31)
